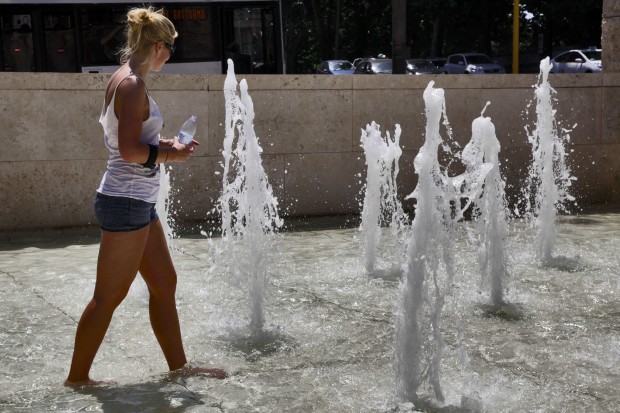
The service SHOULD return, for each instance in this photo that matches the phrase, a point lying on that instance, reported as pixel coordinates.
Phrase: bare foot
(88, 383)
(191, 369)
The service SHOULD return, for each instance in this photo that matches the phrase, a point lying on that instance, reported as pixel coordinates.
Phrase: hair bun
(137, 18)
(145, 27)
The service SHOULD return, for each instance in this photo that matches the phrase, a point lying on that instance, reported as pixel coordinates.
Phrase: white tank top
(128, 179)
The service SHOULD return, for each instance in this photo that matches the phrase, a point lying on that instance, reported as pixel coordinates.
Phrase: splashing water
(549, 177)
(430, 267)
(247, 205)
(381, 204)
(163, 205)
(419, 343)
(490, 209)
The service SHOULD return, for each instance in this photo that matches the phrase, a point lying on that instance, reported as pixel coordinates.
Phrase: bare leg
(117, 266)
(158, 271)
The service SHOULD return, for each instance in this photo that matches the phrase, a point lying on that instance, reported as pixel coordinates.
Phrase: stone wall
(610, 41)
(309, 127)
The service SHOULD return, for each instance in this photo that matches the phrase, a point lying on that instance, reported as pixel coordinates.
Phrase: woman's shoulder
(126, 87)
(123, 76)
(129, 81)
(130, 85)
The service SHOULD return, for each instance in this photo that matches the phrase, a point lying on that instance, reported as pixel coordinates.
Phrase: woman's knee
(110, 299)
(106, 303)
(163, 286)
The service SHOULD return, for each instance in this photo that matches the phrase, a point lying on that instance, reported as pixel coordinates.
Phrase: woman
(132, 238)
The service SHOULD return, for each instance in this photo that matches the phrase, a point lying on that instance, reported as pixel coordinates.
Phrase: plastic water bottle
(188, 130)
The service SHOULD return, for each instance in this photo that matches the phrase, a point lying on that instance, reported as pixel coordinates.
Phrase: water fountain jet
(381, 207)
(247, 205)
(429, 276)
(549, 177)
(490, 208)
(419, 343)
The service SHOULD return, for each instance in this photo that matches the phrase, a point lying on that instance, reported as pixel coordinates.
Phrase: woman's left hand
(181, 152)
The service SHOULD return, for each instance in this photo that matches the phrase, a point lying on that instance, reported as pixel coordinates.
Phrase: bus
(85, 36)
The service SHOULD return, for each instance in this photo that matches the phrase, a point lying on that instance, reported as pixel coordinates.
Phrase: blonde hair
(145, 27)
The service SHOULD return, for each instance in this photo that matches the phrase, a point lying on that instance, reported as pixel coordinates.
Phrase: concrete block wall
(610, 39)
(309, 128)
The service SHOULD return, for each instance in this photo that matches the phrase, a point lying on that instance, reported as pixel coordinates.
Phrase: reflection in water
(255, 344)
(163, 396)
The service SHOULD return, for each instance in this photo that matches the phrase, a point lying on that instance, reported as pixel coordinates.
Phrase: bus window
(18, 51)
(248, 34)
(270, 64)
(87, 35)
(102, 35)
(248, 47)
(60, 46)
(196, 41)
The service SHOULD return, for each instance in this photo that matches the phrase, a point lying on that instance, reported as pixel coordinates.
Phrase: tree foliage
(317, 30)
(314, 31)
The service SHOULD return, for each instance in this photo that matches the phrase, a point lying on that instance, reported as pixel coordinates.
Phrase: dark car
(335, 67)
(438, 61)
(374, 67)
(421, 67)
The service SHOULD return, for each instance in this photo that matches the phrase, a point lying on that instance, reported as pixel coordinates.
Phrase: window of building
(17, 46)
(102, 35)
(60, 47)
(196, 41)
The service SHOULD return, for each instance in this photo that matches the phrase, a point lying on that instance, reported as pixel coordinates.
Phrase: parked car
(471, 63)
(438, 61)
(421, 67)
(374, 66)
(335, 67)
(357, 61)
(578, 61)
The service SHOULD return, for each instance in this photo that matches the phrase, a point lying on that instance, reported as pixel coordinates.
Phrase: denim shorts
(121, 214)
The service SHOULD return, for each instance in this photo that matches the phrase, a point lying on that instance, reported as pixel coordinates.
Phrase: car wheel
(588, 71)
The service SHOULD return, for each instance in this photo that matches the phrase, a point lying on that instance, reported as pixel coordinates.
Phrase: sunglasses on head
(170, 47)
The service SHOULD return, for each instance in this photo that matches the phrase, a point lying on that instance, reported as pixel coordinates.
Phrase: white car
(578, 61)
(471, 63)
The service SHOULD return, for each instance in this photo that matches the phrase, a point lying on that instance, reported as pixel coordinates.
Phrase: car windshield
(382, 67)
(478, 58)
(344, 65)
(420, 65)
(592, 54)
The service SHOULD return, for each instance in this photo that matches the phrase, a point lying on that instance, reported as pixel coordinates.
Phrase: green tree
(555, 25)
(316, 30)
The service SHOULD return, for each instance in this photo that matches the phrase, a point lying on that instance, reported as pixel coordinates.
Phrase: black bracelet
(153, 152)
